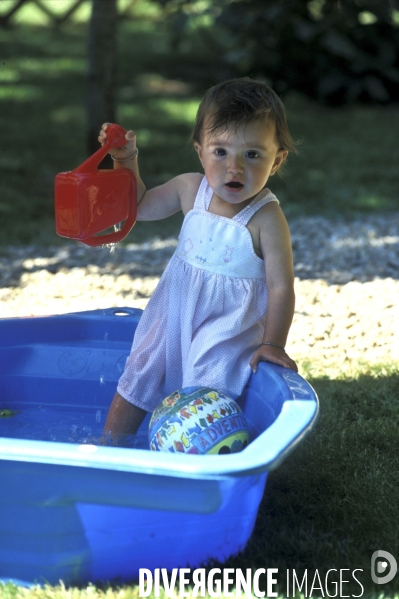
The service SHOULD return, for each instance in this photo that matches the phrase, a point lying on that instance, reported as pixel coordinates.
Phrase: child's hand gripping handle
(115, 139)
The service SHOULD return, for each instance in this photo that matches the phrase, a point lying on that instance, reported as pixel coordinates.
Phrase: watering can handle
(115, 139)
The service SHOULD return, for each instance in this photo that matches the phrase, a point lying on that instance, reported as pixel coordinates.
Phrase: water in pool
(43, 423)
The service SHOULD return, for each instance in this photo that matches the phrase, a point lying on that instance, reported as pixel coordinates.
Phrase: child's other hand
(269, 353)
(124, 152)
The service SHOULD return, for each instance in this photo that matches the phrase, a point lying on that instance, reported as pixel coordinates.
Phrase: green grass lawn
(335, 500)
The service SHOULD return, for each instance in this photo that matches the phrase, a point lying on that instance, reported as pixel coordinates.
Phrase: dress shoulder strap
(264, 197)
(204, 195)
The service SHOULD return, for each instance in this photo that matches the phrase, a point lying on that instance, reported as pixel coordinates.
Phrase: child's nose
(235, 164)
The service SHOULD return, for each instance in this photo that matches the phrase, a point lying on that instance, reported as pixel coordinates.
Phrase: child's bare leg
(123, 419)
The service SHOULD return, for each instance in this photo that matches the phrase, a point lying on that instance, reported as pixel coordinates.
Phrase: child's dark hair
(238, 102)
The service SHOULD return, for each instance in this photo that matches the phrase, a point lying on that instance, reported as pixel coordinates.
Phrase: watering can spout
(88, 201)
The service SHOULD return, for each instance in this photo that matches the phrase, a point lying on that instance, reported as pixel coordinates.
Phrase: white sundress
(207, 315)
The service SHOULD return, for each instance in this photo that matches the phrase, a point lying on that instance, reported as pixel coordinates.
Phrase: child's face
(238, 162)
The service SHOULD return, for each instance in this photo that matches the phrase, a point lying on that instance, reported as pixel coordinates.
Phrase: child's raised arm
(277, 254)
(153, 204)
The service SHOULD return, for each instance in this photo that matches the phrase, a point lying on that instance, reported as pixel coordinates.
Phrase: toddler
(226, 300)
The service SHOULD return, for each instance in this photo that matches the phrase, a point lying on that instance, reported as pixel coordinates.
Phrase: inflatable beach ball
(198, 420)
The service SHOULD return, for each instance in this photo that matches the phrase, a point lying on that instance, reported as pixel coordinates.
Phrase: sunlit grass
(43, 66)
(161, 113)
(181, 111)
(9, 75)
(366, 201)
(319, 367)
(11, 591)
(20, 93)
(68, 115)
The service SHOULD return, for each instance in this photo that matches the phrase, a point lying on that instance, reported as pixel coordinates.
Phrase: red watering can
(88, 201)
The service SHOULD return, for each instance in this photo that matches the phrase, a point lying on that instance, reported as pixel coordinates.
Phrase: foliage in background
(347, 159)
(334, 51)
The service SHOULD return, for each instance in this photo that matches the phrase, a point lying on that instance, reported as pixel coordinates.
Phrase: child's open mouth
(234, 185)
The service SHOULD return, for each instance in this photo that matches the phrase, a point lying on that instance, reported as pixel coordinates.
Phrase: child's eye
(252, 154)
(220, 152)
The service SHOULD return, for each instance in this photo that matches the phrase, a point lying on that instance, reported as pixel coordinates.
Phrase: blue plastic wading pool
(75, 511)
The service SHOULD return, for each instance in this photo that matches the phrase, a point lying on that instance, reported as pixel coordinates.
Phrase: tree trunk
(101, 69)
